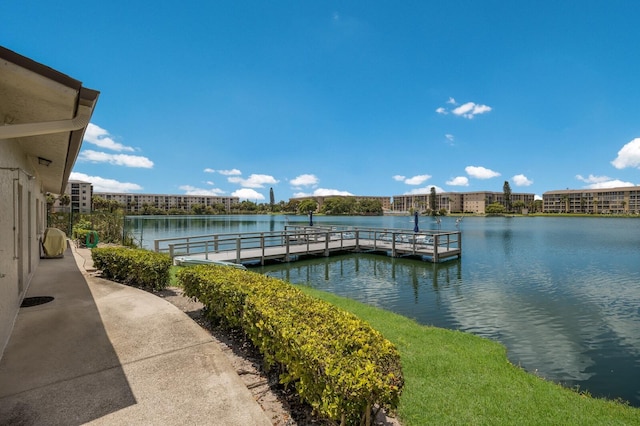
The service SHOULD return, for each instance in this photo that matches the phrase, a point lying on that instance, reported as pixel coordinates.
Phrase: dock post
(357, 240)
(215, 243)
(326, 244)
(436, 258)
(393, 244)
(171, 251)
(206, 250)
(238, 250)
(262, 247)
(286, 256)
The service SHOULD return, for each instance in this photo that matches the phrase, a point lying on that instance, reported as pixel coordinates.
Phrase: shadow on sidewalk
(59, 366)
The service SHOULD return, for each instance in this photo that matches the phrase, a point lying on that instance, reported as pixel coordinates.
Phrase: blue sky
(362, 98)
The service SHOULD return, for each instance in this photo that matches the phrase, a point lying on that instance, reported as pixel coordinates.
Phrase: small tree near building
(506, 189)
(307, 206)
(272, 199)
(518, 205)
(495, 209)
(432, 200)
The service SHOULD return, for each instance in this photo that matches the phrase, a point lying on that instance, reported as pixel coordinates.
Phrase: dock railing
(296, 240)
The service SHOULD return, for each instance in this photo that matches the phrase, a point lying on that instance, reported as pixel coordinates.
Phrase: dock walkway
(295, 242)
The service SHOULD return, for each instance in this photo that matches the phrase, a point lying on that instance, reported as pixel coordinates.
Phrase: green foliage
(350, 206)
(81, 229)
(432, 199)
(245, 206)
(337, 363)
(149, 210)
(339, 206)
(64, 199)
(506, 189)
(141, 268)
(307, 206)
(518, 205)
(60, 220)
(369, 207)
(291, 206)
(104, 205)
(494, 208)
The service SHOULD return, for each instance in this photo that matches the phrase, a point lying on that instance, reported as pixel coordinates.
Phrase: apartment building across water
(457, 202)
(134, 203)
(623, 200)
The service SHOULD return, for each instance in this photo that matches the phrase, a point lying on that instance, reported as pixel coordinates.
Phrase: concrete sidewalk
(104, 353)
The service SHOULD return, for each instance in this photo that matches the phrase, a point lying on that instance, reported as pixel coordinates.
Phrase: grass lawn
(455, 378)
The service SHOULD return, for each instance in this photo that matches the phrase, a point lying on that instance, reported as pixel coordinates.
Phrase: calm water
(562, 294)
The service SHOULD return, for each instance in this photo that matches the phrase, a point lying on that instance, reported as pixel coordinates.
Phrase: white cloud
(470, 110)
(209, 170)
(248, 194)
(449, 137)
(191, 190)
(101, 184)
(98, 136)
(232, 172)
(305, 180)
(616, 183)
(479, 172)
(521, 180)
(209, 182)
(417, 180)
(116, 159)
(399, 178)
(537, 197)
(593, 179)
(603, 182)
(326, 192)
(628, 156)
(458, 181)
(254, 181)
(425, 190)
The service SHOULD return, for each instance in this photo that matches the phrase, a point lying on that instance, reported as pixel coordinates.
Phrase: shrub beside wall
(141, 268)
(338, 364)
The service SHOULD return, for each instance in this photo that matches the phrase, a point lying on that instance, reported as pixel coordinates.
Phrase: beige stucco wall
(22, 221)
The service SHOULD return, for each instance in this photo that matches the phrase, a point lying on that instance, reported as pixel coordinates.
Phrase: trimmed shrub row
(138, 267)
(338, 364)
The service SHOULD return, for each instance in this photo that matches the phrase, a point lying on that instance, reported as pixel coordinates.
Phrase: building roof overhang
(47, 113)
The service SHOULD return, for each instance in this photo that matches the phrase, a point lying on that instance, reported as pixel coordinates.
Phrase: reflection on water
(401, 285)
(563, 295)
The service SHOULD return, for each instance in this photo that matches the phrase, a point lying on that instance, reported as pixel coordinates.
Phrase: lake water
(562, 294)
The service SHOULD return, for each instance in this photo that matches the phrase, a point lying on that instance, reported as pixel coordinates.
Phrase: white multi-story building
(623, 200)
(80, 194)
(134, 203)
(458, 202)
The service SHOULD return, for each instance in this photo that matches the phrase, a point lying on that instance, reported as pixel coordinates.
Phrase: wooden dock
(296, 242)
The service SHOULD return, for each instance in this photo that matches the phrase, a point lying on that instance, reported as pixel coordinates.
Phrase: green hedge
(341, 366)
(137, 267)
